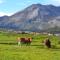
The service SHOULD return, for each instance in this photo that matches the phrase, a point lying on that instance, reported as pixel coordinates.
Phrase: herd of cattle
(47, 42)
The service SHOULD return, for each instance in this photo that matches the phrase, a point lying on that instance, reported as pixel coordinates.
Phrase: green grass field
(9, 49)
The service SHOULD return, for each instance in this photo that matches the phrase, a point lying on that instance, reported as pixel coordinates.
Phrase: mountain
(36, 17)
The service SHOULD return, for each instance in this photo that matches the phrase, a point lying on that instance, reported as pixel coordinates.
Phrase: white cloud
(8, 14)
(55, 2)
(1, 1)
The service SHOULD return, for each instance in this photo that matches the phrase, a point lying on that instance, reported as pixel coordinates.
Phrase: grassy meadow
(9, 49)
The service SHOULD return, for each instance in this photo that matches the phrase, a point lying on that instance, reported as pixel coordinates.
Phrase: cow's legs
(19, 43)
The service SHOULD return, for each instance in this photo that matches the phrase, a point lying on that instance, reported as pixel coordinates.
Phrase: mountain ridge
(34, 18)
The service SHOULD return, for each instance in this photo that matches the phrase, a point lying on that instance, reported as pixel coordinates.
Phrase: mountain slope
(34, 18)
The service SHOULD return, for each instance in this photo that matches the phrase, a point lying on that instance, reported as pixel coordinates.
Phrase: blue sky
(8, 7)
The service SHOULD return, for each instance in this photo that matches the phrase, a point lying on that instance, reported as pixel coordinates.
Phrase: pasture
(9, 49)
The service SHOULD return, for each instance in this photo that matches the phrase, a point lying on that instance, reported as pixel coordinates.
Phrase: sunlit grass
(36, 51)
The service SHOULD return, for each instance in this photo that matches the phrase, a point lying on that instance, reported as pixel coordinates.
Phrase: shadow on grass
(38, 46)
(8, 43)
(53, 47)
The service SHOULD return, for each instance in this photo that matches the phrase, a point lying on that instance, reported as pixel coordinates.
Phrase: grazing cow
(48, 43)
(26, 40)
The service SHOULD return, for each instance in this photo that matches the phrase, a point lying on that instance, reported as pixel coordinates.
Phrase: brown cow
(26, 40)
(48, 43)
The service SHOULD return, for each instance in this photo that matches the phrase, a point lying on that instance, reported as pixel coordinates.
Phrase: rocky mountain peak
(34, 18)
